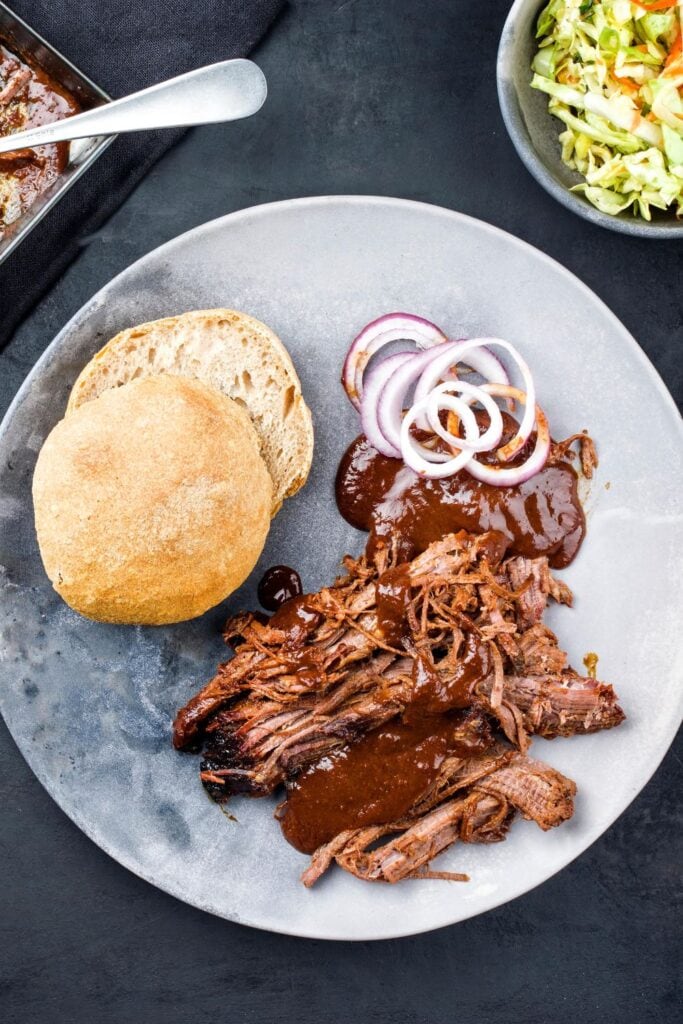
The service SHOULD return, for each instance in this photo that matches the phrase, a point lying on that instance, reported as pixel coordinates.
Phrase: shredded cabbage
(613, 73)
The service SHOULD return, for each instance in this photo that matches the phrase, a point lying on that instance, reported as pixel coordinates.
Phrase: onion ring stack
(433, 369)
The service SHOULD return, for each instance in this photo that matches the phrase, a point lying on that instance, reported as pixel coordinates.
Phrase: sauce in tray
(28, 98)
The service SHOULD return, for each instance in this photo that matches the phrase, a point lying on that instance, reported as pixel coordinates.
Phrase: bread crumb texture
(229, 351)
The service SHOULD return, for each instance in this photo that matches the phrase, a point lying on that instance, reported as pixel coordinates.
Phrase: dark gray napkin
(123, 47)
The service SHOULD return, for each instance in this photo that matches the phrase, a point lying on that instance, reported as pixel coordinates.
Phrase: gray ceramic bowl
(534, 131)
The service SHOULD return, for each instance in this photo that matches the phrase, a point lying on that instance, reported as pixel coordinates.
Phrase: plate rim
(264, 209)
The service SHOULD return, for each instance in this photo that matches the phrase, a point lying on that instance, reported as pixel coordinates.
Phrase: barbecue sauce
(374, 781)
(436, 692)
(542, 516)
(278, 585)
(377, 779)
(29, 98)
(298, 621)
(392, 600)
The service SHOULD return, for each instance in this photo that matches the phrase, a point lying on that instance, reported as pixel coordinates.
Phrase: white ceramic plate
(90, 705)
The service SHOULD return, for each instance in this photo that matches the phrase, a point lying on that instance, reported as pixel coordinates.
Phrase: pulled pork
(327, 669)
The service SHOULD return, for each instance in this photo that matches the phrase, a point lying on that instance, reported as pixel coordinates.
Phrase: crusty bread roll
(231, 352)
(152, 503)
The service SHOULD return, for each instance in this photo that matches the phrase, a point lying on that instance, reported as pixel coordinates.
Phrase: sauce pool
(542, 516)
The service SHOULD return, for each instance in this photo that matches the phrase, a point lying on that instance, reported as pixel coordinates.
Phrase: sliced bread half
(231, 352)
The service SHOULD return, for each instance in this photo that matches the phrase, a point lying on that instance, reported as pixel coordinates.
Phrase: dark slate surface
(395, 98)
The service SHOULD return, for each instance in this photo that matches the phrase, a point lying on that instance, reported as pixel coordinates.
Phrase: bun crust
(229, 351)
(152, 502)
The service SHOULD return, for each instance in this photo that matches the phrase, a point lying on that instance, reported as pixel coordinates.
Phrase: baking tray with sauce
(56, 88)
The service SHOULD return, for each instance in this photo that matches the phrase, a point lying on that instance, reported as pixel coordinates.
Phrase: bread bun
(231, 352)
(152, 503)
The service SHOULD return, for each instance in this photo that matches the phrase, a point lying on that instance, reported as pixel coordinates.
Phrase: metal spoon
(219, 92)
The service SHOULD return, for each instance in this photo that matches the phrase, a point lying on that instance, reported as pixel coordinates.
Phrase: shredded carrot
(628, 84)
(674, 69)
(675, 51)
(655, 5)
(566, 78)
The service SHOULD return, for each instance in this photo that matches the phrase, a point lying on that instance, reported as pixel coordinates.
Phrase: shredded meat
(538, 651)
(322, 675)
(483, 815)
(562, 705)
(474, 818)
(534, 584)
(540, 792)
(14, 86)
(588, 455)
(342, 630)
(256, 745)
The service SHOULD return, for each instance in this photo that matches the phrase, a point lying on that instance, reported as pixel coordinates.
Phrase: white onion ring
(436, 369)
(508, 476)
(433, 405)
(372, 387)
(377, 334)
(432, 464)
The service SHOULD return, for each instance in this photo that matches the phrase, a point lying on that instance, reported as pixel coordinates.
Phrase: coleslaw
(613, 72)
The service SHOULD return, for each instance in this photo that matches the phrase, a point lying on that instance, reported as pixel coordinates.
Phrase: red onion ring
(432, 464)
(484, 362)
(434, 404)
(501, 476)
(381, 400)
(377, 334)
(480, 359)
(372, 387)
(391, 398)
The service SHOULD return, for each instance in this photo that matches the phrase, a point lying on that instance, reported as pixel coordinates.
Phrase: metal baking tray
(18, 37)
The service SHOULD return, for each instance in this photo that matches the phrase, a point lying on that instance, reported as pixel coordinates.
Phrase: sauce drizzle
(373, 781)
(393, 598)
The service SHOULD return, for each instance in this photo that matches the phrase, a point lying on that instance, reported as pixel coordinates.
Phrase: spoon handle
(219, 92)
